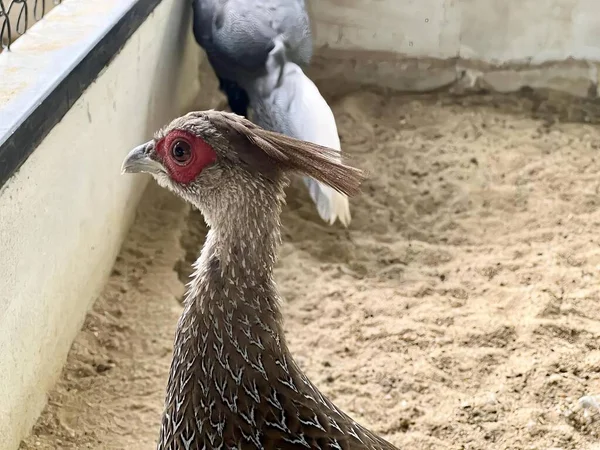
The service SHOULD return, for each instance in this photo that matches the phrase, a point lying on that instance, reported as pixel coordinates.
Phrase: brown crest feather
(319, 162)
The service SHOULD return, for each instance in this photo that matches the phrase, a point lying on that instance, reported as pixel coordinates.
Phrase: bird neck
(234, 273)
(244, 235)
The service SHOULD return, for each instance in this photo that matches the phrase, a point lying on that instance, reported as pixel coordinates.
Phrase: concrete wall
(64, 214)
(425, 44)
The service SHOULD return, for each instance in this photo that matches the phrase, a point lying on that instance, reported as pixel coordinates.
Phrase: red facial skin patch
(202, 155)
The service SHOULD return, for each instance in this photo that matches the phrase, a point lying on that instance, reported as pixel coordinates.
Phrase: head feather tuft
(289, 154)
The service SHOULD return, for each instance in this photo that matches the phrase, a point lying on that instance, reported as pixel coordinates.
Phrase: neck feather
(244, 236)
(234, 273)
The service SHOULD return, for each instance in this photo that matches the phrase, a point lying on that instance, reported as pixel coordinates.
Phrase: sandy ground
(459, 311)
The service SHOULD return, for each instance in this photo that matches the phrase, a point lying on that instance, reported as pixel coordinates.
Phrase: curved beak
(139, 161)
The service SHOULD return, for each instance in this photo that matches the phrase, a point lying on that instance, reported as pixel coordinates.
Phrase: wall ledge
(421, 74)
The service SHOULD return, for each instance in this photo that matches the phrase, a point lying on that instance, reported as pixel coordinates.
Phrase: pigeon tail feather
(331, 204)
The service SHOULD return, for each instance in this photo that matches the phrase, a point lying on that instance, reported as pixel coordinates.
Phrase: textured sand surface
(460, 310)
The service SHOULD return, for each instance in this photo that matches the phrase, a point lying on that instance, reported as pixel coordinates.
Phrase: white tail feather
(314, 122)
(292, 104)
(331, 205)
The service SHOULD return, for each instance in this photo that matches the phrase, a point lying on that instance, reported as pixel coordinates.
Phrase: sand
(459, 311)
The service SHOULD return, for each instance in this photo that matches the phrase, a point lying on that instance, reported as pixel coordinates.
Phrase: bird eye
(181, 151)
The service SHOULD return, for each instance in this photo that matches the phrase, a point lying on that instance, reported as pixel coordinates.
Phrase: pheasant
(233, 383)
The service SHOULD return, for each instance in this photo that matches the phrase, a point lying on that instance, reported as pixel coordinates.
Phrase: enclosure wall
(425, 44)
(64, 213)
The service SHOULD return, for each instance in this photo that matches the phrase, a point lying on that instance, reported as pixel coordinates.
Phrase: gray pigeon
(257, 49)
(238, 35)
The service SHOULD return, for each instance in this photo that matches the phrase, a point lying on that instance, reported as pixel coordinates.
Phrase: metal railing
(16, 16)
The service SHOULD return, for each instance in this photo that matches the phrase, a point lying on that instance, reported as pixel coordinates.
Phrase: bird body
(233, 383)
(238, 35)
(257, 49)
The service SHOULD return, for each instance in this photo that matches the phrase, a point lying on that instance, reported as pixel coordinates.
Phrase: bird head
(212, 158)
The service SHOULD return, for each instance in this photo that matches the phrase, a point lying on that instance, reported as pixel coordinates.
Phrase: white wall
(64, 214)
(423, 44)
